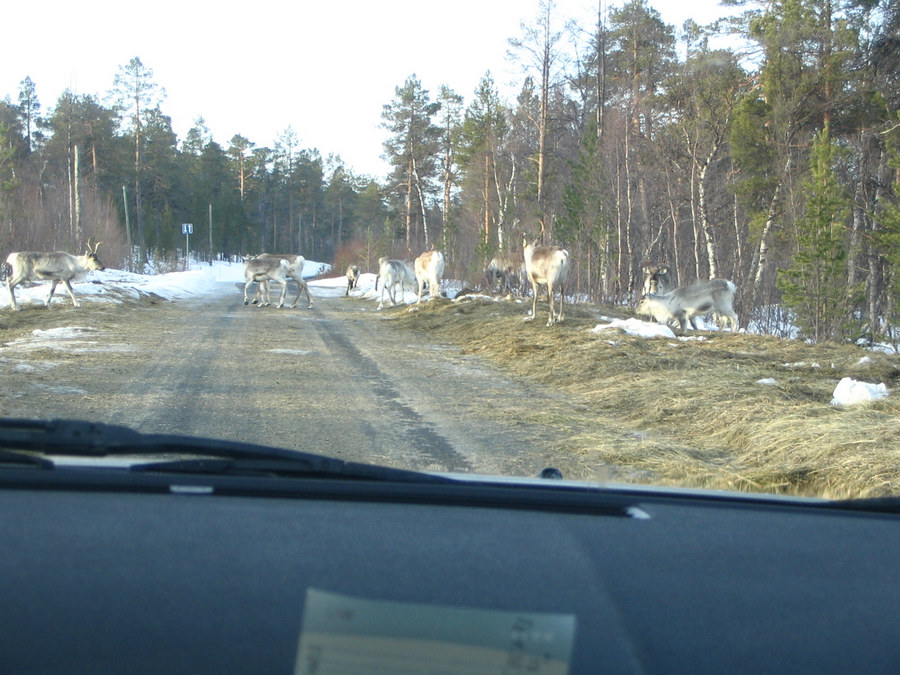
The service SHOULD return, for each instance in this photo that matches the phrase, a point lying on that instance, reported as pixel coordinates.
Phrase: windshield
(630, 249)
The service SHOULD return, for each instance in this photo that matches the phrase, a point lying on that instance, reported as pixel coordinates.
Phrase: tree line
(771, 161)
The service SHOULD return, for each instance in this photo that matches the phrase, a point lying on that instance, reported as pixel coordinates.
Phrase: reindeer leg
(534, 288)
(11, 286)
(71, 292)
(283, 294)
(550, 295)
(52, 291)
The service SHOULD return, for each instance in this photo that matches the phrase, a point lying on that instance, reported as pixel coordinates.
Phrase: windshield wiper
(23, 458)
(75, 438)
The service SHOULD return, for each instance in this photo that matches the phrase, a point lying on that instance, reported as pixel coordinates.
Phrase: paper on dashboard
(346, 635)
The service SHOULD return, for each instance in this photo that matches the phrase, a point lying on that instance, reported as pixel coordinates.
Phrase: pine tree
(29, 111)
(482, 133)
(814, 287)
(413, 149)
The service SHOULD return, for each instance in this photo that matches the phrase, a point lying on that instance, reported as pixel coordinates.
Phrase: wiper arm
(195, 455)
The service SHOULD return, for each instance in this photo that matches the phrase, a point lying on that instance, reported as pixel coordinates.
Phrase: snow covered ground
(204, 279)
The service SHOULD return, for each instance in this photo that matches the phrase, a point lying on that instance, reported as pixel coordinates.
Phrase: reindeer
(429, 267)
(352, 278)
(392, 273)
(263, 270)
(56, 266)
(686, 302)
(295, 272)
(549, 266)
(506, 272)
(657, 279)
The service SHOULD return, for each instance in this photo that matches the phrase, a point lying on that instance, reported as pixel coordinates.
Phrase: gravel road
(340, 379)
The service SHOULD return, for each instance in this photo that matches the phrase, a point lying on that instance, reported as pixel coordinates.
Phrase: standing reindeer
(294, 271)
(394, 273)
(549, 266)
(429, 267)
(56, 266)
(352, 278)
(262, 270)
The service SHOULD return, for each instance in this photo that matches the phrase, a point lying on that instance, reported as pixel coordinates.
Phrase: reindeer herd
(546, 266)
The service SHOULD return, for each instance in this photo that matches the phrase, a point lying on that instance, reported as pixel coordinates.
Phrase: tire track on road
(420, 434)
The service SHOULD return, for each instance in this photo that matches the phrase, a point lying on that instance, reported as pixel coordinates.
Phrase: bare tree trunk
(629, 218)
(695, 219)
(445, 207)
(761, 257)
(78, 234)
(421, 195)
(503, 196)
(738, 239)
(486, 198)
(673, 212)
(545, 118)
(712, 253)
(70, 179)
(620, 226)
(409, 194)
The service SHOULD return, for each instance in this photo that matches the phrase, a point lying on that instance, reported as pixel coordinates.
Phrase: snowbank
(200, 279)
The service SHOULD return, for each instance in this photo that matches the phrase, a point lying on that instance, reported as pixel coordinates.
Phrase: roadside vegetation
(713, 409)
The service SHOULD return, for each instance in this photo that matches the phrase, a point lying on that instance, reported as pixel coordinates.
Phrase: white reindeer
(393, 273)
(263, 270)
(429, 267)
(549, 266)
(56, 266)
(687, 302)
(295, 272)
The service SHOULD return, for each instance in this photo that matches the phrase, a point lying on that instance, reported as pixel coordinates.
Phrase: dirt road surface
(340, 379)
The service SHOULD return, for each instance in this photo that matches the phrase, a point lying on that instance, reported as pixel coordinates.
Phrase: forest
(771, 161)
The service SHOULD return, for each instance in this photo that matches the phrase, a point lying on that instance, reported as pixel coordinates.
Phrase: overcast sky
(255, 68)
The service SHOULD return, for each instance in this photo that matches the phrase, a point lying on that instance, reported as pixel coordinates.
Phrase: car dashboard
(155, 573)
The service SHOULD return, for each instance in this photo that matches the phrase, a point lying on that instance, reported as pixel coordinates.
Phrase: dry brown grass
(692, 412)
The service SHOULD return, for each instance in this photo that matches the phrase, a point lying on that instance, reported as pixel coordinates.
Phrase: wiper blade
(75, 438)
(26, 458)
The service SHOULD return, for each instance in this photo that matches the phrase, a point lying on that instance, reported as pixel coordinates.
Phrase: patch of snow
(635, 327)
(852, 392)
